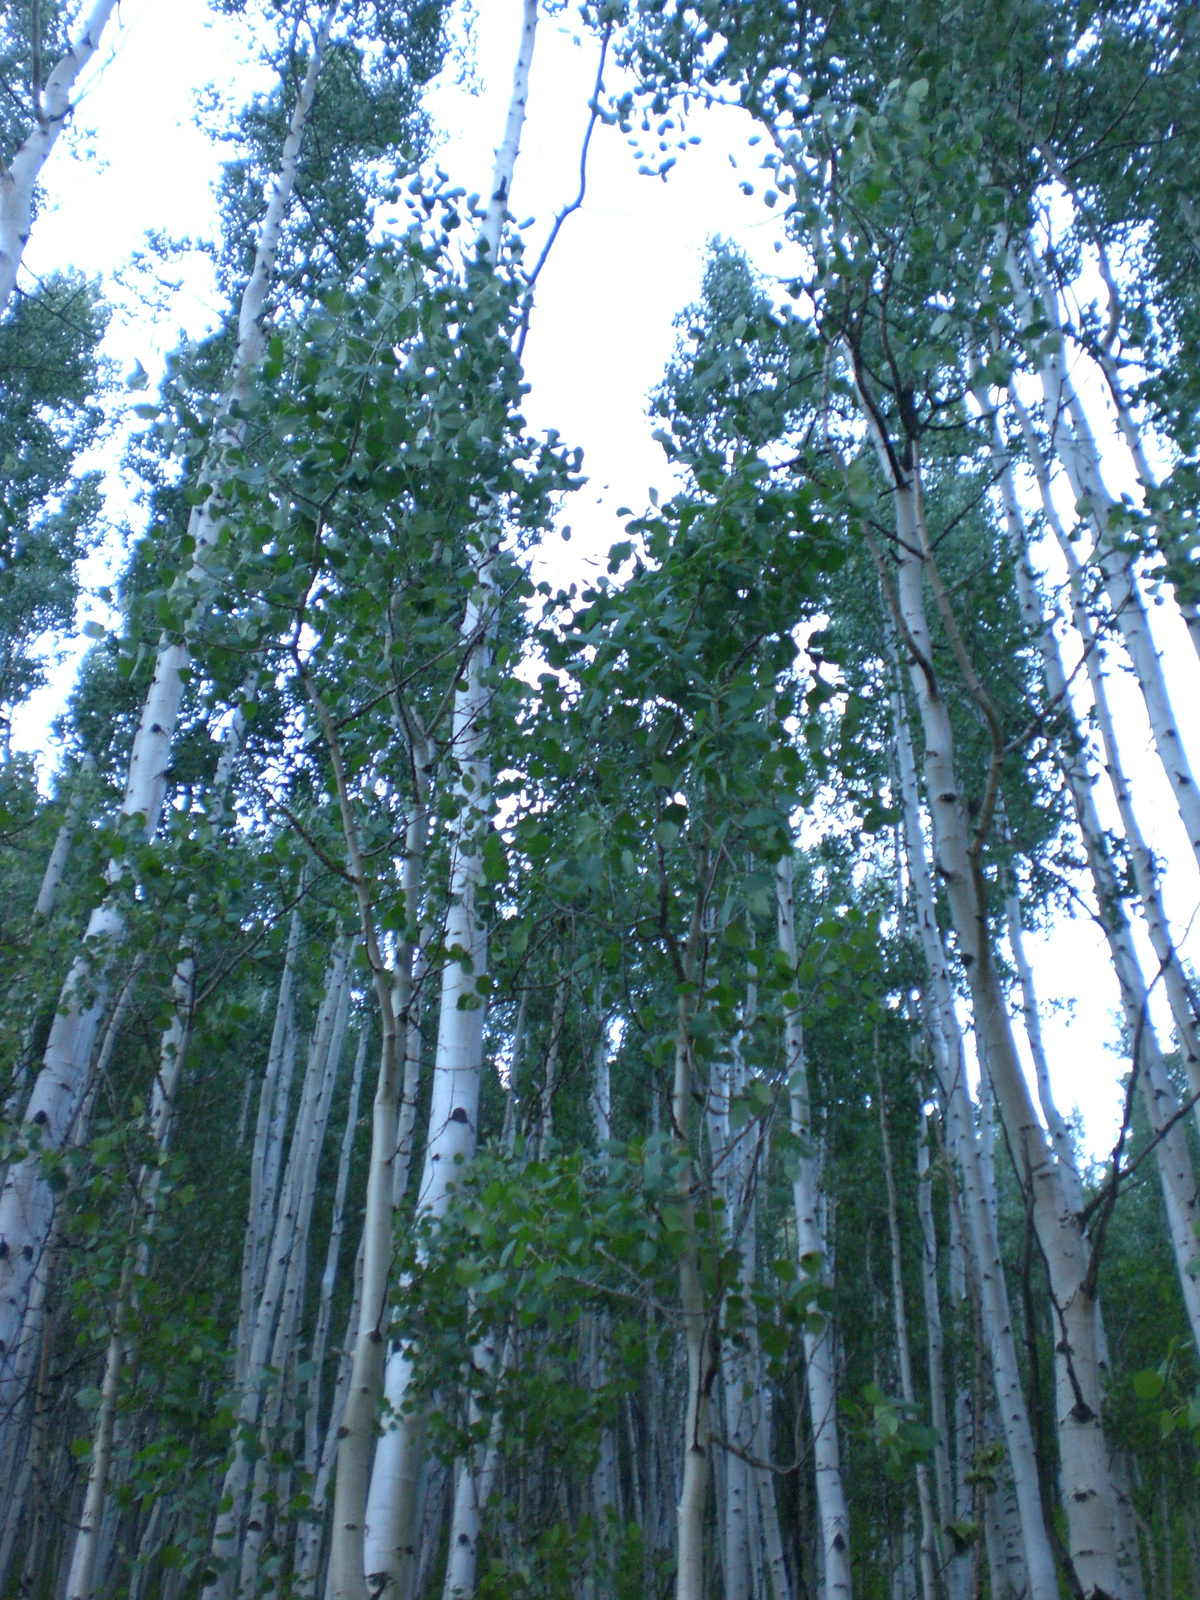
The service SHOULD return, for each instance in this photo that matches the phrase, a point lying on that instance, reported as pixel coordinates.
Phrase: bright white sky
(624, 266)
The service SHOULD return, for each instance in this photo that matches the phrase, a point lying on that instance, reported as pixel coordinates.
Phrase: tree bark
(819, 1369)
(1076, 448)
(385, 1549)
(27, 1201)
(1087, 1486)
(928, 1549)
(18, 181)
(980, 1226)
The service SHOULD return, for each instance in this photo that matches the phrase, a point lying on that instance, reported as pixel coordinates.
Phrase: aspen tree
(52, 107)
(1087, 1483)
(1184, 1007)
(955, 1567)
(26, 1202)
(272, 1321)
(929, 1553)
(820, 1374)
(1074, 443)
(734, 1181)
(373, 1526)
(1171, 1154)
(268, 1142)
(981, 1237)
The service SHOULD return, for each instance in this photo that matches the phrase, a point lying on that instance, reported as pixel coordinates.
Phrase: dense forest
(539, 1091)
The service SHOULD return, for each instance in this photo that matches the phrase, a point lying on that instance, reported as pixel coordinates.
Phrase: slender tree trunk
(701, 1344)
(1076, 449)
(955, 1570)
(384, 1550)
(1176, 1173)
(328, 1043)
(733, 1184)
(1087, 1485)
(279, 1288)
(27, 1200)
(56, 866)
(980, 1226)
(268, 1141)
(173, 1050)
(473, 1484)
(1185, 1008)
(54, 105)
(550, 1070)
(819, 1367)
(928, 1549)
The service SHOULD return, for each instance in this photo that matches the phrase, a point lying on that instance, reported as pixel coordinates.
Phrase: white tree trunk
(385, 1545)
(279, 1288)
(981, 1238)
(1076, 448)
(473, 1484)
(27, 1201)
(957, 1570)
(18, 181)
(734, 1185)
(819, 1366)
(1087, 1485)
(1182, 999)
(268, 1140)
(328, 1044)
(928, 1555)
(1176, 1174)
(57, 865)
(172, 1052)
(701, 1345)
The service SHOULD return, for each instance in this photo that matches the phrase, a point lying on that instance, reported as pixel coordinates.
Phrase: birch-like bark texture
(1176, 1173)
(474, 1478)
(268, 1141)
(52, 878)
(955, 1569)
(928, 1547)
(27, 1201)
(981, 1236)
(1185, 1008)
(172, 1054)
(56, 866)
(386, 1519)
(1087, 1485)
(819, 1367)
(699, 1326)
(318, 1353)
(53, 108)
(1074, 443)
(1131, 432)
(280, 1285)
(734, 1179)
(328, 1042)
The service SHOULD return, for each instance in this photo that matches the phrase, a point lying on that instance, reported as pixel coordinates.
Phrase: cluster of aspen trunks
(516, 1092)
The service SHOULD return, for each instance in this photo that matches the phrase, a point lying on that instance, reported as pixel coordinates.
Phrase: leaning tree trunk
(27, 1200)
(1185, 1008)
(53, 107)
(1087, 1486)
(980, 1239)
(1175, 1169)
(1075, 446)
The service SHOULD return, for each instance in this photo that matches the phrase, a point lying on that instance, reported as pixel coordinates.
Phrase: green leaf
(1148, 1384)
